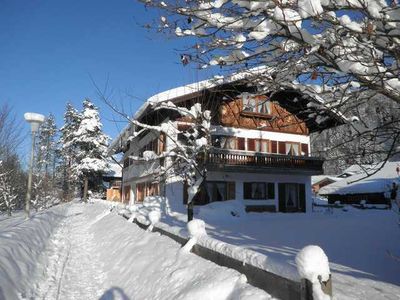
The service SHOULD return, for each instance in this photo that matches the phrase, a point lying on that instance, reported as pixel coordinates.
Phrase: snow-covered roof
(115, 170)
(356, 169)
(380, 182)
(178, 93)
(318, 178)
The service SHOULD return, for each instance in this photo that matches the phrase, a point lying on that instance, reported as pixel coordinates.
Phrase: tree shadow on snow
(114, 293)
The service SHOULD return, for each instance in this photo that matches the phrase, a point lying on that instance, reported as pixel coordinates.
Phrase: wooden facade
(233, 114)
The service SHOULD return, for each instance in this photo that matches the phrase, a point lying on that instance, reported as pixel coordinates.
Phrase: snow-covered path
(93, 253)
(74, 270)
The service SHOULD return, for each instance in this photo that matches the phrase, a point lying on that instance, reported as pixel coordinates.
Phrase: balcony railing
(218, 158)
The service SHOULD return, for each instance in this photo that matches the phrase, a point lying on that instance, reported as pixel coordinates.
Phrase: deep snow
(95, 254)
(356, 243)
(362, 246)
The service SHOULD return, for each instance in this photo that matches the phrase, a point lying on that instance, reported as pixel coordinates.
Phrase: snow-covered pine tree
(68, 150)
(91, 145)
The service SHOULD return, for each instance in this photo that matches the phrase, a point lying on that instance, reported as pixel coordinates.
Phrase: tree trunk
(190, 211)
(85, 189)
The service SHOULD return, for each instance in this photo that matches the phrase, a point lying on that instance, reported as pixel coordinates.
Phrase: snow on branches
(90, 142)
(189, 142)
(346, 52)
(8, 191)
(333, 43)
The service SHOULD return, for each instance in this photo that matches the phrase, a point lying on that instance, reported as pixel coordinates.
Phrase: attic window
(256, 105)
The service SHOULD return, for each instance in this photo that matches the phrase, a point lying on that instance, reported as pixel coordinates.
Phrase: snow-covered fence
(278, 282)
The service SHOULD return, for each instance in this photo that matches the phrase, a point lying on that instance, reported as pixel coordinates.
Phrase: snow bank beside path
(21, 243)
(145, 265)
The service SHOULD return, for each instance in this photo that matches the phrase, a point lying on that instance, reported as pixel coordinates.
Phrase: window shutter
(282, 147)
(274, 147)
(271, 190)
(281, 190)
(302, 197)
(304, 148)
(251, 145)
(241, 144)
(231, 190)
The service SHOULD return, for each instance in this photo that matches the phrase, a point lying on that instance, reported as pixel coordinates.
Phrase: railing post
(313, 267)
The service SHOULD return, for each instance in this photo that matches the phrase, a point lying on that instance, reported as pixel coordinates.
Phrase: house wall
(174, 188)
(260, 134)
(273, 129)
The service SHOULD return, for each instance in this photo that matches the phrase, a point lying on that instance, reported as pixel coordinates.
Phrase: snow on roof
(319, 178)
(357, 169)
(115, 170)
(186, 90)
(380, 182)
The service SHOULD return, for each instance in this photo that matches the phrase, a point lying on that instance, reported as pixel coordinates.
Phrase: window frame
(260, 102)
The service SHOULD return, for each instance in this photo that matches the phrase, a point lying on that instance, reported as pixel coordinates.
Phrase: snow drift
(22, 242)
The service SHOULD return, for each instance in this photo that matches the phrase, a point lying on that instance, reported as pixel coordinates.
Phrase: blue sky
(51, 49)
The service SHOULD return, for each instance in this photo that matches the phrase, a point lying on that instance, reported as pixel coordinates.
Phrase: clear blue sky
(50, 49)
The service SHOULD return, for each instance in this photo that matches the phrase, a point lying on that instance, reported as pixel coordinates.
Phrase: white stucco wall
(174, 189)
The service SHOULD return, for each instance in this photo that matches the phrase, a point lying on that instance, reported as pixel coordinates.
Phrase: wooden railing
(255, 159)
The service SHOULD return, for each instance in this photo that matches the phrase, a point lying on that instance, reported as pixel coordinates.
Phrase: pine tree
(68, 150)
(44, 165)
(91, 145)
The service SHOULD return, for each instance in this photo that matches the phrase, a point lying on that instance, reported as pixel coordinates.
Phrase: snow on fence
(279, 281)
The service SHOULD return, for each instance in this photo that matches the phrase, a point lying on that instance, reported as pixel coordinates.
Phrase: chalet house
(369, 183)
(261, 147)
(319, 181)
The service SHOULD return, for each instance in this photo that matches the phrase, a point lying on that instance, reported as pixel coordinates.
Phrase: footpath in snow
(86, 252)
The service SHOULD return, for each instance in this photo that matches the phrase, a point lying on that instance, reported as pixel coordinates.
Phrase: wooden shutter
(251, 145)
(304, 148)
(281, 190)
(231, 190)
(241, 144)
(302, 197)
(282, 147)
(274, 147)
(271, 190)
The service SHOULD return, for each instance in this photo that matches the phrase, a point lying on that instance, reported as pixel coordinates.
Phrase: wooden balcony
(255, 162)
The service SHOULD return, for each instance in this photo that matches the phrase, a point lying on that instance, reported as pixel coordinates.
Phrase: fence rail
(275, 285)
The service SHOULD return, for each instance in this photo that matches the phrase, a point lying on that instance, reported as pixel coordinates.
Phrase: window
(257, 145)
(220, 190)
(292, 149)
(126, 162)
(259, 190)
(257, 105)
(154, 146)
(304, 149)
(224, 142)
(146, 189)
